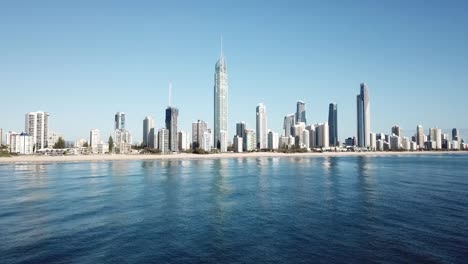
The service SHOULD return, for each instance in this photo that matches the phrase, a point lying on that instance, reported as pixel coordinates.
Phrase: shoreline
(189, 156)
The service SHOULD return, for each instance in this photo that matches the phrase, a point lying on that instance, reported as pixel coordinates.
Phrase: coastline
(187, 156)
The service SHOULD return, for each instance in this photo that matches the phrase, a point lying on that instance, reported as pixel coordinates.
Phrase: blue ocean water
(388, 209)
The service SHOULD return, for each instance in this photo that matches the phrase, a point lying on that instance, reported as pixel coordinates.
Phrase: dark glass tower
(172, 115)
(333, 124)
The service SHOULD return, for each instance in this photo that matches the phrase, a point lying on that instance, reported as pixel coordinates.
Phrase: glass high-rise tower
(333, 124)
(300, 112)
(220, 101)
(120, 120)
(262, 133)
(363, 117)
(172, 116)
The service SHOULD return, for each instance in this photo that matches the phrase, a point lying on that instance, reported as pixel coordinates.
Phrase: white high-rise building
(94, 140)
(237, 144)
(220, 100)
(122, 136)
(163, 140)
(148, 124)
(251, 140)
(305, 139)
(395, 142)
(198, 132)
(322, 135)
(37, 125)
(373, 141)
(363, 117)
(312, 136)
(273, 140)
(436, 135)
(21, 143)
(406, 143)
(262, 132)
(420, 136)
(298, 134)
(223, 141)
(8, 136)
(206, 140)
(184, 141)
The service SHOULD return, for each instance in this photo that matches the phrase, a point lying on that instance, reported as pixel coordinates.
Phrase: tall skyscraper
(322, 135)
(172, 115)
(251, 140)
(273, 140)
(94, 140)
(220, 100)
(288, 125)
(420, 136)
(240, 129)
(147, 126)
(120, 120)
(333, 123)
(363, 117)
(153, 138)
(455, 134)
(37, 126)
(436, 136)
(262, 132)
(163, 140)
(300, 112)
(240, 132)
(184, 141)
(198, 130)
(397, 131)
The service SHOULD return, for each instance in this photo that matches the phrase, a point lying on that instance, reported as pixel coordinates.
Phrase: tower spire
(222, 46)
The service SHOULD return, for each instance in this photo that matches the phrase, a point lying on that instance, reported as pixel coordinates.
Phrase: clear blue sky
(82, 61)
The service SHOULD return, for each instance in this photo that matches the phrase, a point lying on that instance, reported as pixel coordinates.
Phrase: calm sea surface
(408, 209)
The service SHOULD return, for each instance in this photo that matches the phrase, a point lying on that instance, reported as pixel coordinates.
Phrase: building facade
(119, 120)
(198, 133)
(21, 144)
(397, 131)
(148, 124)
(37, 126)
(220, 100)
(420, 136)
(172, 116)
(288, 125)
(322, 135)
(251, 140)
(273, 140)
(163, 140)
(94, 140)
(262, 132)
(184, 141)
(363, 117)
(333, 124)
(300, 112)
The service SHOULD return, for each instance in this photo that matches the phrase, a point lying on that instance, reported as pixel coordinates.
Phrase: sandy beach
(185, 156)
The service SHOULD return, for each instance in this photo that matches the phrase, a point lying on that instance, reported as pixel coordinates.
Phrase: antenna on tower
(221, 45)
(170, 92)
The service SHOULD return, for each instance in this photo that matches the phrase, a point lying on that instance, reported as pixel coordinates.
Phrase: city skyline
(113, 73)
